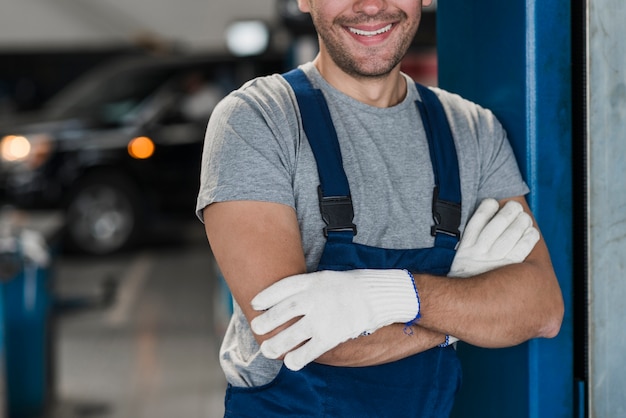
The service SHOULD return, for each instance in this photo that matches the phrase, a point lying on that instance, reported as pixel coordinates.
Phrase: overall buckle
(337, 213)
(447, 216)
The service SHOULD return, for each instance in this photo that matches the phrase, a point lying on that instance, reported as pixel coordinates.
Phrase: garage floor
(153, 352)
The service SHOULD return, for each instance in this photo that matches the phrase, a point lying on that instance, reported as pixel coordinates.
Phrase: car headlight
(31, 150)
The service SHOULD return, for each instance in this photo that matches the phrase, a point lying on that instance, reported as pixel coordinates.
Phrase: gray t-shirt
(255, 149)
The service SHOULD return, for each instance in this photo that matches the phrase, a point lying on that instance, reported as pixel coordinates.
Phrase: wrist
(407, 326)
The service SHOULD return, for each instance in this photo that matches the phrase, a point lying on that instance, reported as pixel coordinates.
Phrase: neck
(384, 91)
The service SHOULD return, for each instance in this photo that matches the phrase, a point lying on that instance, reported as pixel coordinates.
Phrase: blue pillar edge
(3, 382)
(514, 58)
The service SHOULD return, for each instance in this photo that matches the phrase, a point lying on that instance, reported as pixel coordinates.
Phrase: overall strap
(447, 192)
(334, 191)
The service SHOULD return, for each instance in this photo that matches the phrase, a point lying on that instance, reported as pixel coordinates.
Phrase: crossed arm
(257, 244)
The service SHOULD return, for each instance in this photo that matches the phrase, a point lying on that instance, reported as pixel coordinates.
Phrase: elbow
(549, 304)
(551, 329)
(552, 322)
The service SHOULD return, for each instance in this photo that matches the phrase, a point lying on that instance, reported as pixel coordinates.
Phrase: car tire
(103, 215)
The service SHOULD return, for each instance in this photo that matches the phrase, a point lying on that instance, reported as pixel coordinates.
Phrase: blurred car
(119, 150)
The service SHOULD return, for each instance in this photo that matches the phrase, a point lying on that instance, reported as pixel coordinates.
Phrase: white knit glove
(334, 306)
(494, 238)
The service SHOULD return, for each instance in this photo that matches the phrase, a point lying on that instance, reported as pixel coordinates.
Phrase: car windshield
(114, 99)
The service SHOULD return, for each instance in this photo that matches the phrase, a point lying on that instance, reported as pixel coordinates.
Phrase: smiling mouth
(371, 33)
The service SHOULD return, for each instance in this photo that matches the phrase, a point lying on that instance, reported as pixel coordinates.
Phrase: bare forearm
(387, 344)
(500, 308)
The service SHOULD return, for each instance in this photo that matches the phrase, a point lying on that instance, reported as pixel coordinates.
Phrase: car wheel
(103, 215)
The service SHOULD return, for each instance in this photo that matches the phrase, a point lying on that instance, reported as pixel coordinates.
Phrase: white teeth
(371, 33)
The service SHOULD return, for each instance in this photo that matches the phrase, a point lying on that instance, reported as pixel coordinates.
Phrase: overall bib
(422, 385)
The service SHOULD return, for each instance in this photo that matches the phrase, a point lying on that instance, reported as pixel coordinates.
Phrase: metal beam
(514, 57)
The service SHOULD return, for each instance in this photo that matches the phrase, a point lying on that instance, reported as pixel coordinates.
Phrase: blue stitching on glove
(447, 343)
(407, 327)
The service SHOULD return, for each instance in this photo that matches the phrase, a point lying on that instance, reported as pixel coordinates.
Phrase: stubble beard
(377, 63)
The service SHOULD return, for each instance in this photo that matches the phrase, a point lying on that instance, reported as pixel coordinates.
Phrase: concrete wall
(194, 24)
(607, 207)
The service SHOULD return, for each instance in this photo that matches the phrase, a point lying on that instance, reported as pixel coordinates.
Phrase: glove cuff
(394, 294)
(449, 341)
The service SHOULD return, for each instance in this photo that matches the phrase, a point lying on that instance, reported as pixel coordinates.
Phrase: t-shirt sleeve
(487, 164)
(249, 149)
(500, 176)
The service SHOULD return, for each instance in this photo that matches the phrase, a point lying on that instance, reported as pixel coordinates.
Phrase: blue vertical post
(3, 380)
(514, 57)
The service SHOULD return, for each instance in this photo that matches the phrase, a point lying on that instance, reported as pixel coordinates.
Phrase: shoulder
(461, 107)
(261, 103)
(467, 117)
(270, 92)
(468, 113)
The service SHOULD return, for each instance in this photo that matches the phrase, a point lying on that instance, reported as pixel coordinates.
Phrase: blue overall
(422, 385)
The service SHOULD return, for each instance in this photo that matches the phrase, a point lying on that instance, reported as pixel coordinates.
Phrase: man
(350, 288)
